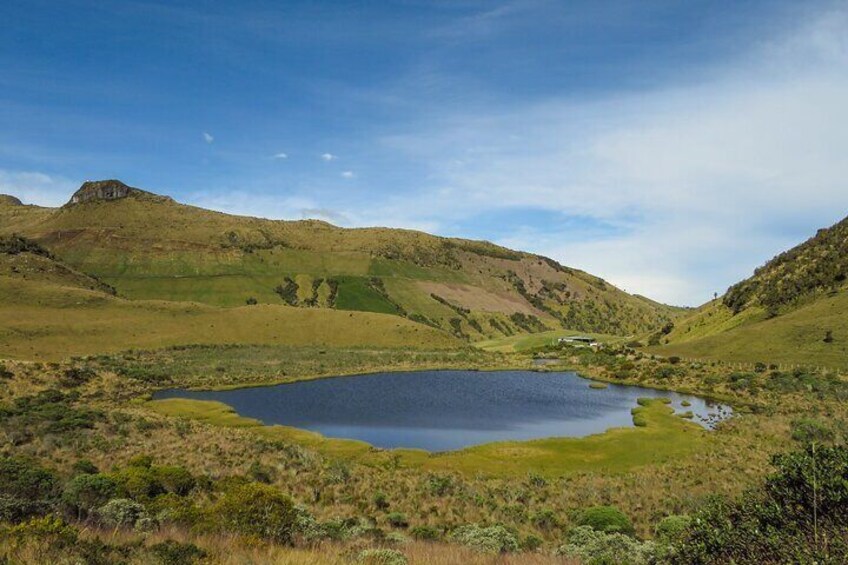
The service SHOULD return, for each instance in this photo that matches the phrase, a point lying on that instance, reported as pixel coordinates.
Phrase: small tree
(828, 337)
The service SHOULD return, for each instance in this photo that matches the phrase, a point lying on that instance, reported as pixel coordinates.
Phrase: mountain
(149, 247)
(794, 309)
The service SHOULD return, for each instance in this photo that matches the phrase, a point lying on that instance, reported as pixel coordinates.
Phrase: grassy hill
(151, 248)
(50, 311)
(794, 309)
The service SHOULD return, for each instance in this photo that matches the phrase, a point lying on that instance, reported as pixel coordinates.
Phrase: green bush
(799, 515)
(672, 528)
(545, 519)
(26, 489)
(809, 430)
(490, 539)
(606, 519)
(381, 557)
(137, 482)
(170, 552)
(397, 520)
(174, 479)
(121, 513)
(428, 533)
(85, 493)
(593, 547)
(256, 509)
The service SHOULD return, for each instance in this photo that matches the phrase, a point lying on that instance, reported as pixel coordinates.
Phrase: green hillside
(794, 309)
(149, 247)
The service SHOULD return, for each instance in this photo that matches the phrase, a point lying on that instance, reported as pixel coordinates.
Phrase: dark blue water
(445, 410)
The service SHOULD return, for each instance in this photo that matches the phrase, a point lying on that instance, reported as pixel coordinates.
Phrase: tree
(828, 337)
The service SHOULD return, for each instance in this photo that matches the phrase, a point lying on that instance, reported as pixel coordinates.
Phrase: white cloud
(281, 156)
(702, 182)
(207, 137)
(37, 188)
(348, 174)
(329, 157)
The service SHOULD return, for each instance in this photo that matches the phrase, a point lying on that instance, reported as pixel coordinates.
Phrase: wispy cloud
(704, 181)
(207, 137)
(328, 157)
(280, 156)
(348, 174)
(37, 188)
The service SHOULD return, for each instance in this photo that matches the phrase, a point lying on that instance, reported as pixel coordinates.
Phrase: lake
(446, 410)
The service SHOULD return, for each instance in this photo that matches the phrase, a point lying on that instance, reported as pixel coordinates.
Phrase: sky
(669, 147)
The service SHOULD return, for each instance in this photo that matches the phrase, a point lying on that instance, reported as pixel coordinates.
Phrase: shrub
(85, 493)
(545, 519)
(397, 520)
(490, 539)
(138, 483)
(257, 510)
(121, 513)
(174, 479)
(170, 552)
(380, 500)
(593, 547)
(809, 430)
(531, 543)
(381, 557)
(606, 519)
(48, 530)
(428, 533)
(672, 528)
(26, 489)
(84, 467)
(799, 515)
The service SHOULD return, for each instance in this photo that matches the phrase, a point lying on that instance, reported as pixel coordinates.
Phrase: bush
(672, 528)
(138, 483)
(176, 480)
(593, 547)
(170, 552)
(381, 557)
(809, 430)
(397, 520)
(427, 533)
(85, 493)
(257, 510)
(26, 489)
(607, 519)
(531, 543)
(545, 519)
(491, 539)
(121, 513)
(380, 500)
(799, 515)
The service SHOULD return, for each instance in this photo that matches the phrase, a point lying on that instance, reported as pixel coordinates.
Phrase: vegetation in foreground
(109, 474)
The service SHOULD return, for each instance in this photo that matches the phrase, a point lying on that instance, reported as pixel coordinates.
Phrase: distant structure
(579, 341)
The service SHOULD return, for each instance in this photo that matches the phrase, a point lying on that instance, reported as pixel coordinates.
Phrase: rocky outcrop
(101, 190)
(9, 200)
(94, 190)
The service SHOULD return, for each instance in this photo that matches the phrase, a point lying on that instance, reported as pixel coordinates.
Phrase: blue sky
(669, 147)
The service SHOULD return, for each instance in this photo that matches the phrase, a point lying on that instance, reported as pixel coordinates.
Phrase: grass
(661, 437)
(152, 249)
(796, 337)
(40, 320)
(355, 293)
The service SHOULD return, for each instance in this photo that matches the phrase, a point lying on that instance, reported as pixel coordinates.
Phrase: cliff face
(101, 190)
